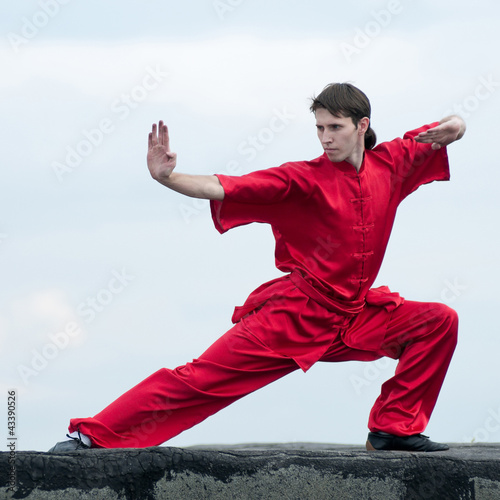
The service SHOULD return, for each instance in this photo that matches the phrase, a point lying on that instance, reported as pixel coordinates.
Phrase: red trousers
(422, 336)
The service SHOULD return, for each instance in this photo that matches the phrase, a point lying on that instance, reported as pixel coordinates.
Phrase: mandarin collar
(345, 167)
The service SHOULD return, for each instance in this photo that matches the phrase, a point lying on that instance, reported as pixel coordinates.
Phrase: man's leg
(423, 337)
(171, 401)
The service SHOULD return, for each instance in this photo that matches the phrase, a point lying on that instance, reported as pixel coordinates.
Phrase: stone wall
(287, 471)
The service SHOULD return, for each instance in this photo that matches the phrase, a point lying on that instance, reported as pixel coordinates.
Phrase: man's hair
(344, 99)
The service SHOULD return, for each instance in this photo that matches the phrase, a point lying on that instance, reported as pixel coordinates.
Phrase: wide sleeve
(415, 163)
(255, 197)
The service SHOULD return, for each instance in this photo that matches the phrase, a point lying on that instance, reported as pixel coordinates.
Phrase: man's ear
(363, 125)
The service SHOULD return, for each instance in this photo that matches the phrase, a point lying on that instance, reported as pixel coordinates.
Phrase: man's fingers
(163, 132)
(424, 139)
(159, 136)
(166, 138)
(430, 136)
(154, 135)
(160, 132)
(423, 135)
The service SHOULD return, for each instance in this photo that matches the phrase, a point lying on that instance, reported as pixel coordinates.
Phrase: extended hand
(161, 161)
(449, 130)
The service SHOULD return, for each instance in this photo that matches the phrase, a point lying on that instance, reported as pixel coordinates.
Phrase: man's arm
(161, 163)
(450, 129)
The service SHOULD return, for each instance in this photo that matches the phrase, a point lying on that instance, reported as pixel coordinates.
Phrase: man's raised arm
(450, 129)
(161, 163)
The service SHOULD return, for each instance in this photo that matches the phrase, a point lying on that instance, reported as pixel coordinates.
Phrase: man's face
(339, 136)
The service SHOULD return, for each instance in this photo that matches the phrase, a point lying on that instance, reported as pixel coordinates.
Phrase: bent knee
(447, 316)
(446, 313)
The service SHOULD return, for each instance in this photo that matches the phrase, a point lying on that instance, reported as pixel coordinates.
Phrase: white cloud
(34, 316)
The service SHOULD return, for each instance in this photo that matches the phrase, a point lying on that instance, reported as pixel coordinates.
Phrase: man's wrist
(167, 179)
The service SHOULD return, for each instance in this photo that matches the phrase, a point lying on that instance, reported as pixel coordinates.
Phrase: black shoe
(417, 442)
(73, 444)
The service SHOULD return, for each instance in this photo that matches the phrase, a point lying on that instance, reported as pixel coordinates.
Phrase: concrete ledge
(283, 471)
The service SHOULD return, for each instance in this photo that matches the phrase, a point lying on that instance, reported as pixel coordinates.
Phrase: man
(331, 218)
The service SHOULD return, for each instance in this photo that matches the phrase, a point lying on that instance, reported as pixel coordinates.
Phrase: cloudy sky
(107, 276)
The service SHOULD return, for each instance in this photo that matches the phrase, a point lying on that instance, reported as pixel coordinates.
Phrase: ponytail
(370, 138)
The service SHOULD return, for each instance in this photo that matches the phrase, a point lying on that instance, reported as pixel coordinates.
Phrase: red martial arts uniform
(331, 226)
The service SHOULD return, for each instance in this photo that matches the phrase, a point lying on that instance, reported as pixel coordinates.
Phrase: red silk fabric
(331, 223)
(331, 226)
